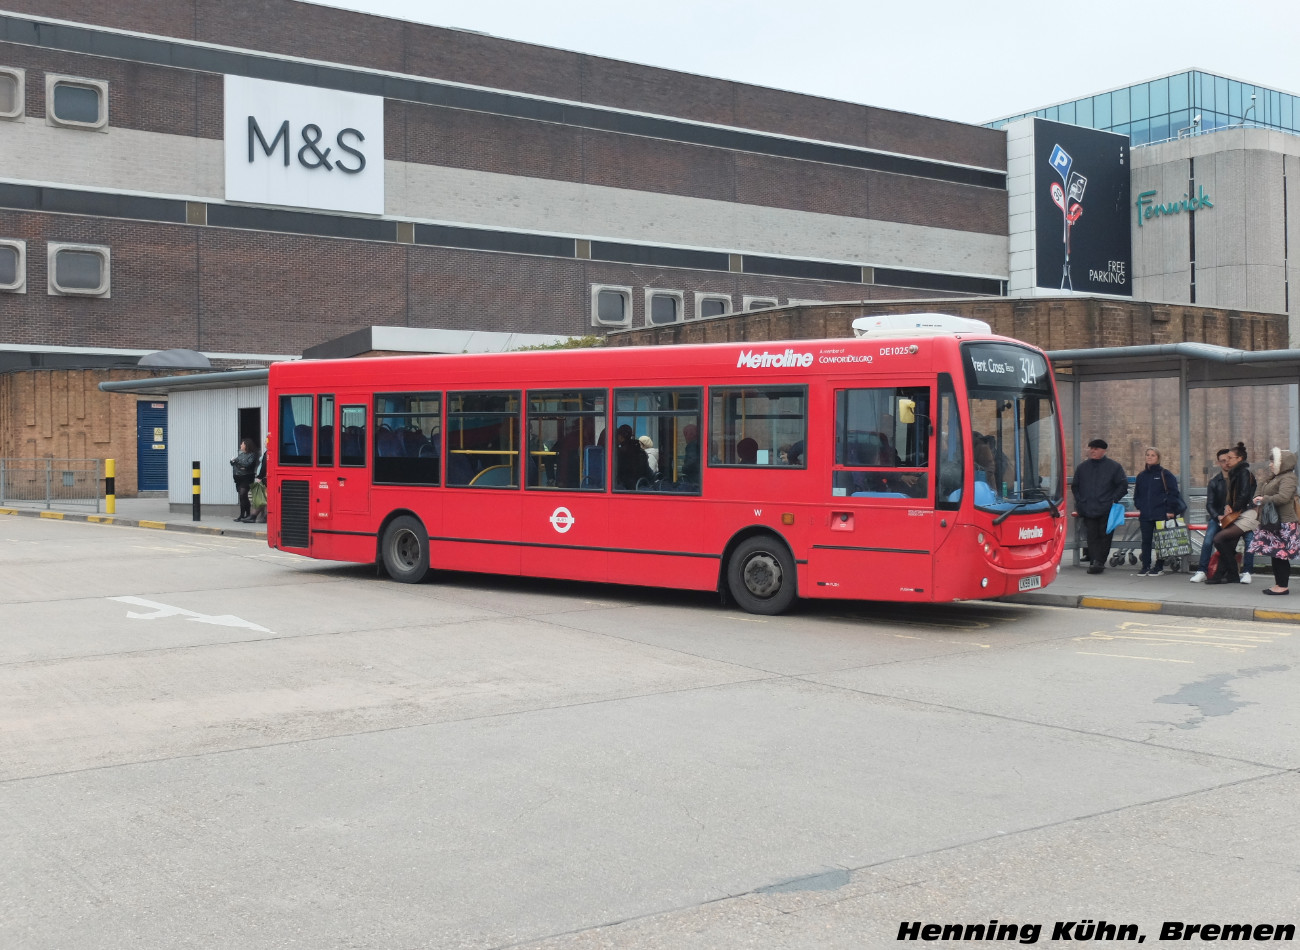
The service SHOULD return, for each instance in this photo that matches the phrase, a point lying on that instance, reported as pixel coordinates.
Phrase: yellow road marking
(960, 643)
(1125, 656)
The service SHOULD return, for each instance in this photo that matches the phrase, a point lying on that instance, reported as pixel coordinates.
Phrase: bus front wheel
(760, 576)
(405, 550)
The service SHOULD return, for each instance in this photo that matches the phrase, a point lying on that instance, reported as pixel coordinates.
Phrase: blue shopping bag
(1116, 517)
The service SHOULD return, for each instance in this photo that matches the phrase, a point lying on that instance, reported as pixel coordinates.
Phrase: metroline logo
(1027, 533)
(765, 359)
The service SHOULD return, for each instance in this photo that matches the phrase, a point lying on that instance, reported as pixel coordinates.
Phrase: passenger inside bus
(631, 465)
(747, 451)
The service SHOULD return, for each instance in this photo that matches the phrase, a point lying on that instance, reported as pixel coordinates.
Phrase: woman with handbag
(1156, 497)
(1239, 519)
(242, 468)
(1278, 534)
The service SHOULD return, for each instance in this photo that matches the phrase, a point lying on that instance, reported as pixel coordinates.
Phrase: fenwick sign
(303, 146)
(1148, 207)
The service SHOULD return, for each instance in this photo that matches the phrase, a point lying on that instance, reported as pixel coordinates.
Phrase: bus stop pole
(197, 504)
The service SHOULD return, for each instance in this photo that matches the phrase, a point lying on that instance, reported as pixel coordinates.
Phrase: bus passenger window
(566, 440)
(352, 437)
(408, 433)
(325, 432)
(295, 430)
(763, 427)
(483, 440)
(882, 443)
(660, 440)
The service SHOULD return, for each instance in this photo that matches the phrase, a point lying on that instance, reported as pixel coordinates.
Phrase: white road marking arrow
(164, 610)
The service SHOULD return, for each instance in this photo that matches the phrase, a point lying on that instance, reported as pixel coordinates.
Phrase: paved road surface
(208, 744)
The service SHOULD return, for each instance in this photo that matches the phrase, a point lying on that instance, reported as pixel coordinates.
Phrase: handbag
(257, 495)
(1229, 518)
(1116, 517)
(1268, 515)
(1172, 539)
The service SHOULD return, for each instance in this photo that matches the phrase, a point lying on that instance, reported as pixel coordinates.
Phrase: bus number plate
(1030, 583)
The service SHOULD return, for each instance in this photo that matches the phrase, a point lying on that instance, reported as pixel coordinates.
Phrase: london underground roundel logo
(561, 519)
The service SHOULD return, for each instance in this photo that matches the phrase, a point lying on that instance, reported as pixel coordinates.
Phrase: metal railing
(52, 482)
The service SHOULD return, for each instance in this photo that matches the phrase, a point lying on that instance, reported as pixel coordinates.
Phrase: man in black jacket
(1099, 482)
(1216, 496)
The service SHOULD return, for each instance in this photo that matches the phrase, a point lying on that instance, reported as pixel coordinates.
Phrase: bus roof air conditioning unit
(917, 324)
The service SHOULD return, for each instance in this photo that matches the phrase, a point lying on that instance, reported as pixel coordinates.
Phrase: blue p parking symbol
(1061, 161)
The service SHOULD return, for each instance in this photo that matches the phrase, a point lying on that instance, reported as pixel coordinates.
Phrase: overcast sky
(957, 60)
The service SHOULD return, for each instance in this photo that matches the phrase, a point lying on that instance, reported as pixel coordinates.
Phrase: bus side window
(566, 440)
(325, 432)
(352, 440)
(669, 421)
(483, 439)
(765, 426)
(408, 434)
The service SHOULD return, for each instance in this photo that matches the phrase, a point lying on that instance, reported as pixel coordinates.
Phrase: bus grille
(295, 514)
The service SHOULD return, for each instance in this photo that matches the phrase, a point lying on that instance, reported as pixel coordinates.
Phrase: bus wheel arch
(403, 547)
(759, 572)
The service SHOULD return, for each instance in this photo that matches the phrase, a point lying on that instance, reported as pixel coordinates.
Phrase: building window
(712, 305)
(611, 306)
(80, 270)
(13, 267)
(662, 307)
(11, 93)
(76, 103)
(759, 303)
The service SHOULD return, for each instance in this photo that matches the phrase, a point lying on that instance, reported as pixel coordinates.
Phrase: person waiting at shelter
(1216, 496)
(1099, 482)
(1156, 497)
(1241, 517)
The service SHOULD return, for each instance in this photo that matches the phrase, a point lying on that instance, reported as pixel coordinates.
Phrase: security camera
(1197, 120)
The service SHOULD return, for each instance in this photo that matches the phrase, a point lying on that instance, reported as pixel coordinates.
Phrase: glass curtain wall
(1168, 107)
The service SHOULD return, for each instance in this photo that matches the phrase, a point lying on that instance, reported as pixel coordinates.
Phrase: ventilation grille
(295, 514)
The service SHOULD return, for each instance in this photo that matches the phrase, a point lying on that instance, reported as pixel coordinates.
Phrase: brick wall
(314, 32)
(233, 291)
(63, 414)
(1052, 323)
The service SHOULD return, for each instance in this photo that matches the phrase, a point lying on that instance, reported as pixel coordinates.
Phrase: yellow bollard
(110, 486)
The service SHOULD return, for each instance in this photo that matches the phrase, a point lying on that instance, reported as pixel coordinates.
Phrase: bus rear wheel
(405, 550)
(761, 576)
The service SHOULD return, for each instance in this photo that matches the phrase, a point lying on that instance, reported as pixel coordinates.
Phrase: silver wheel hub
(762, 575)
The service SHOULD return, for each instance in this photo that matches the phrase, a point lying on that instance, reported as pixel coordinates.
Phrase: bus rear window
(295, 430)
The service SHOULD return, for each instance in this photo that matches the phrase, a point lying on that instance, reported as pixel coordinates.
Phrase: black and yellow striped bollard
(195, 474)
(110, 486)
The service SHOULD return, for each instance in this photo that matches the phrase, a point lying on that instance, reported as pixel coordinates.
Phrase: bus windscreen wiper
(1056, 512)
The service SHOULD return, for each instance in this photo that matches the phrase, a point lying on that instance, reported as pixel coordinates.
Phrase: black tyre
(405, 550)
(761, 576)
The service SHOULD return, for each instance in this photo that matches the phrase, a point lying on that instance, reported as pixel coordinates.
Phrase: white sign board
(304, 147)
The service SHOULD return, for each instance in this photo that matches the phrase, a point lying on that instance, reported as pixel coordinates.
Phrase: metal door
(151, 445)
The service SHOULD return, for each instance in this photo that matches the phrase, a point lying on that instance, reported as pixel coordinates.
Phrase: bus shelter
(1188, 400)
